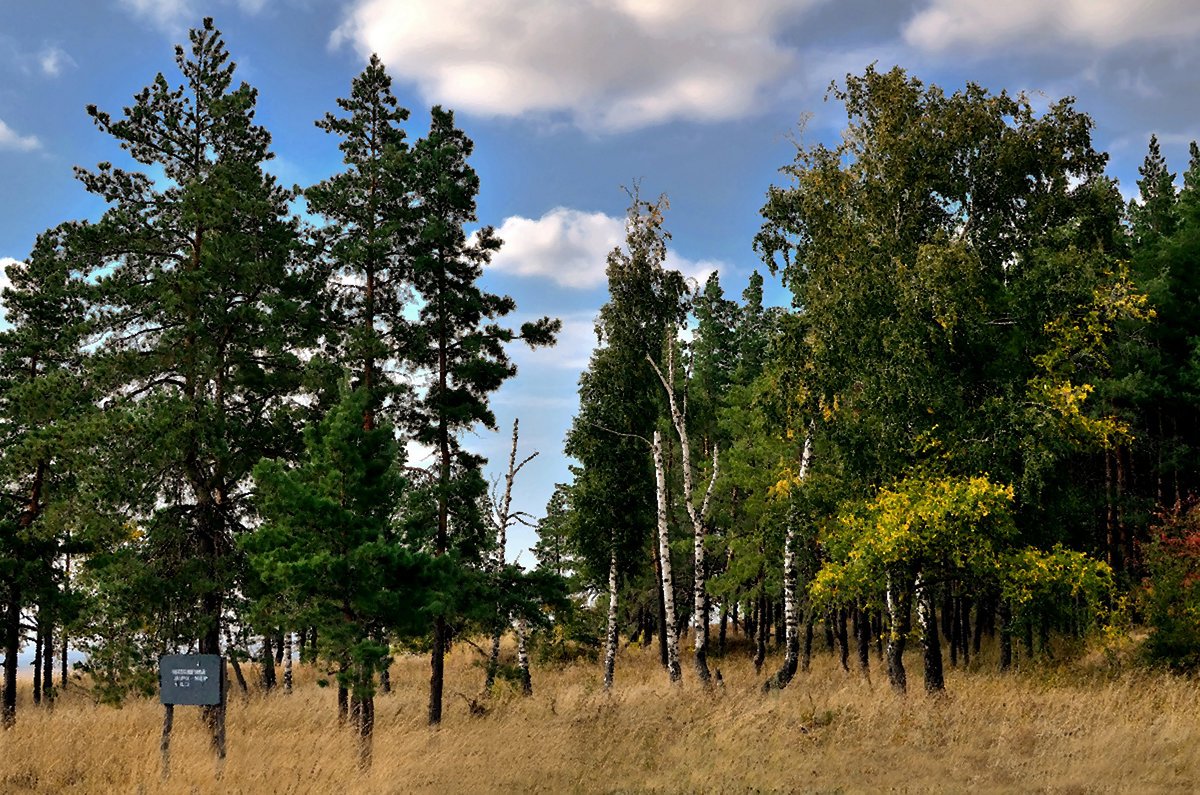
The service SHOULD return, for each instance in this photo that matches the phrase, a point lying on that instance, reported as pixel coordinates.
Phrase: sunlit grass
(1057, 728)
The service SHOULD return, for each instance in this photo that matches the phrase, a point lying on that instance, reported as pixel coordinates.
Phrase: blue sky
(567, 100)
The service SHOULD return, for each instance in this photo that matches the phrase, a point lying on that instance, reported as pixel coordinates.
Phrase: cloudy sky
(566, 101)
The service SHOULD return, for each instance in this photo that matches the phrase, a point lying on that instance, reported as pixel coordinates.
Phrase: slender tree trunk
(930, 644)
(791, 619)
(760, 633)
(364, 717)
(267, 660)
(898, 604)
(12, 646)
(806, 652)
(287, 662)
(699, 594)
(523, 657)
(48, 663)
(1005, 613)
(37, 659)
(662, 606)
(1127, 561)
(723, 630)
(1109, 515)
(964, 617)
(493, 664)
(839, 631)
(791, 602)
(862, 634)
(343, 696)
(233, 660)
(664, 554)
(610, 642)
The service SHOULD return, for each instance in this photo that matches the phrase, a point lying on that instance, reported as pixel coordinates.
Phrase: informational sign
(190, 679)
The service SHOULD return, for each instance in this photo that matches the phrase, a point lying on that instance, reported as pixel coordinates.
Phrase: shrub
(1171, 589)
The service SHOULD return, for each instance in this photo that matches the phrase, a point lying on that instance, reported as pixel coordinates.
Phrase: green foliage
(933, 526)
(327, 554)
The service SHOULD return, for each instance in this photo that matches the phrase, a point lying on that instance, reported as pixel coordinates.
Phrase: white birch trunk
(664, 550)
(791, 602)
(523, 657)
(287, 662)
(930, 642)
(610, 645)
(898, 620)
(503, 518)
(700, 606)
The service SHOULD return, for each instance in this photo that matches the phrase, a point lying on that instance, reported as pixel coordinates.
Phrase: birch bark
(700, 606)
(930, 643)
(610, 644)
(664, 553)
(523, 657)
(791, 602)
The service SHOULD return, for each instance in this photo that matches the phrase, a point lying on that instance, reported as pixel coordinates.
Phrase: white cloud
(611, 66)
(1101, 24)
(10, 140)
(571, 248)
(53, 60)
(568, 246)
(176, 15)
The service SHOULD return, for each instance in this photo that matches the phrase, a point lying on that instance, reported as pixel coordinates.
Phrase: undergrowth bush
(1171, 589)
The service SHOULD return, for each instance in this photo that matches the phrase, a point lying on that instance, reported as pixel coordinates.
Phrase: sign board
(190, 679)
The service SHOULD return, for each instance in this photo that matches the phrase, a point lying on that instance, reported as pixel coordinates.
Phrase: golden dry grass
(1075, 728)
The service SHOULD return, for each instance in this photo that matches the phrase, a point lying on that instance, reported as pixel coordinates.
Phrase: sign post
(190, 680)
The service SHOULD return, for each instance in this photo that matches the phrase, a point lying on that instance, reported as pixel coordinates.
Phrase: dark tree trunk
(366, 730)
(267, 660)
(930, 644)
(343, 696)
(899, 601)
(662, 610)
(231, 654)
(951, 626)
(806, 652)
(48, 662)
(863, 636)
(964, 617)
(840, 635)
(760, 635)
(12, 646)
(983, 608)
(437, 665)
(279, 649)
(1005, 617)
(722, 632)
(37, 660)
(778, 615)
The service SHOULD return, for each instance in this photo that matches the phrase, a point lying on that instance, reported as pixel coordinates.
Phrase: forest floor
(1085, 726)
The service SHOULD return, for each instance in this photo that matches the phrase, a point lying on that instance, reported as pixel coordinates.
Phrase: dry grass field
(1068, 728)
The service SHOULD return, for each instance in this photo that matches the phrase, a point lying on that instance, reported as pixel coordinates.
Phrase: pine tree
(42, 400)
(329, 552)
(201, 312)
(370, 231)
(456, 343)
